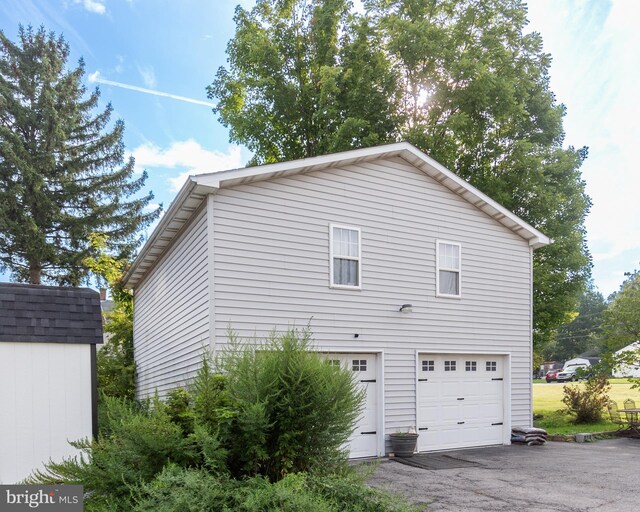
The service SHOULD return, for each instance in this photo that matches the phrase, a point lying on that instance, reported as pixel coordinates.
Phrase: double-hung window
(345, 268)
(448, 256)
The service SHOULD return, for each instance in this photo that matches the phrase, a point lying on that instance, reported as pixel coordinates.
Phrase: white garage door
(364, 440)
(460, 401)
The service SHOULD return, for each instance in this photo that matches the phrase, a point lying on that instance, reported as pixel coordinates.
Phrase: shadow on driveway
(603, 476)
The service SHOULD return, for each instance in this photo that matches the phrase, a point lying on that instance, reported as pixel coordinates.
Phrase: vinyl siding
(45, 400)
(171, 313)
(271, 243)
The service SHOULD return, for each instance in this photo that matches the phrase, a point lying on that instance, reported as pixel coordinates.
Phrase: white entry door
(460, 401)
(364, 440)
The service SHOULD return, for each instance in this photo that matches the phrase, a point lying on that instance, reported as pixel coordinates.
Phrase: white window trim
(458, 270)
(358, 259)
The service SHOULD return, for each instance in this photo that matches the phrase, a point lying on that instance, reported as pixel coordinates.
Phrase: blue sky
(152, 59)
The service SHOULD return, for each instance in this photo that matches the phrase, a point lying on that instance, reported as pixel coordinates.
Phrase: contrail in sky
(96, 78)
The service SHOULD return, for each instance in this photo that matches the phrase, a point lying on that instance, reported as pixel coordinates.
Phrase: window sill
(345, 287)
(445, 296)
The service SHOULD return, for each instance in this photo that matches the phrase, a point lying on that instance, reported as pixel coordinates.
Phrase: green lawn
(547, 401)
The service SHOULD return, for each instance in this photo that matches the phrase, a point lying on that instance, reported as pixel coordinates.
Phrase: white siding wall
(171, 313)
(45, 401)
(272, 269)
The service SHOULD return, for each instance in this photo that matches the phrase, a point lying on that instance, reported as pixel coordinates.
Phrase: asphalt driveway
(603, 476)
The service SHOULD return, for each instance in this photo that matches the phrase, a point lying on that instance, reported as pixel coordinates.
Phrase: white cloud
(148, 76)
(96, 77)
(95, 6)
(187, 156)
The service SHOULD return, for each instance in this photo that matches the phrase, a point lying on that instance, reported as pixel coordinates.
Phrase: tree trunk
(35, 272)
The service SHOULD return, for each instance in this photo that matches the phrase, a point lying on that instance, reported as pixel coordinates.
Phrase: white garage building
(409, 276)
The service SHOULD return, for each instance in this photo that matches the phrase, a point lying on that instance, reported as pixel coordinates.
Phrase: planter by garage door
(460, 401)
(364, 440)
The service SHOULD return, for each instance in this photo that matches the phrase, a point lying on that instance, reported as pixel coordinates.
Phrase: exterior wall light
(406, 308)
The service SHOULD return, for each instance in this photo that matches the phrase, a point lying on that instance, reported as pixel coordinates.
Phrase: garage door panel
(460, 400)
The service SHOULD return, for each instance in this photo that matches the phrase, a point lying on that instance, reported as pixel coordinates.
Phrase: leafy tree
(584, 333)
(305, 78)
(62, 169)
(457, 78)
(622, 317)
(116, 366)
(478, 100)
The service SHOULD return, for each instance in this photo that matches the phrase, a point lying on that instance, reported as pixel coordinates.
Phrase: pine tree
(63, 174)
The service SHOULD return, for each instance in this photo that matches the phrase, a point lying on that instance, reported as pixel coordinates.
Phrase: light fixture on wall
(406, 308)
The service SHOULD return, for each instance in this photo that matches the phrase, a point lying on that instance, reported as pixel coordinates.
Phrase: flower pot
(403, 444)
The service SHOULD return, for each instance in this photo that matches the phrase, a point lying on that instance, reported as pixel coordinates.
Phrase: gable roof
(49, 314)
(199, 186)
(633, 346)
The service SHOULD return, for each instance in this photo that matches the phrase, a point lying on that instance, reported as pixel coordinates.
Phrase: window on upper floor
(345, 265)
(448, 256)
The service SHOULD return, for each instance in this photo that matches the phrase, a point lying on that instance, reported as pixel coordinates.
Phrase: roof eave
(177, 216)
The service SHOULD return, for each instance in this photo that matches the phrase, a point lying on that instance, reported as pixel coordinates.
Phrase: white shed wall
(45, 401)
(271, 242)
(171, 314)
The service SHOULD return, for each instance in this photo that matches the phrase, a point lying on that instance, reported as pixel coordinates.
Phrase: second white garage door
(460, 401)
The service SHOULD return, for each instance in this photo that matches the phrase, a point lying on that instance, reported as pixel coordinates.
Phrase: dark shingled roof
(49, 314)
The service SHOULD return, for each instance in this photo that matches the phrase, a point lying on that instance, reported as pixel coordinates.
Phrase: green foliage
(294, 411)
(622, 317)
(174, 491)
(587, 404)
(460, 79)
(63, 173)
(139, 444)
(211, 403)
(179, 410)
(116, 366)
(584, 332)
(305, 78)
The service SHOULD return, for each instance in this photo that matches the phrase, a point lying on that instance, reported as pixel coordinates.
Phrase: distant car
(552, 375)
(569, 374)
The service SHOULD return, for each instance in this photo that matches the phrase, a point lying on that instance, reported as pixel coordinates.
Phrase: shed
(48, 382)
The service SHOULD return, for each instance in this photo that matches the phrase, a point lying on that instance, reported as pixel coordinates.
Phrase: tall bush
(294, 411)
